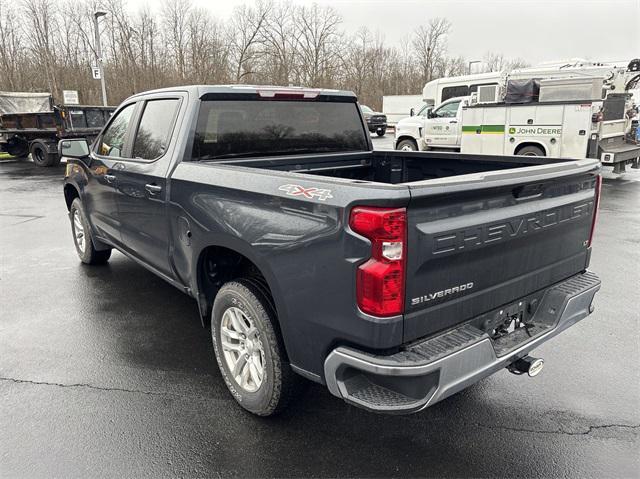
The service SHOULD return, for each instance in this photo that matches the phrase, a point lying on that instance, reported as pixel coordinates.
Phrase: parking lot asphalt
(107, 372)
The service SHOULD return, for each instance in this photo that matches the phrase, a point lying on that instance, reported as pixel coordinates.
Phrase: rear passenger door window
(113, 139)
(154, 130)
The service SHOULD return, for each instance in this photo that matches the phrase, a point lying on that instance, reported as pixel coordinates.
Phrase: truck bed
(393, 167)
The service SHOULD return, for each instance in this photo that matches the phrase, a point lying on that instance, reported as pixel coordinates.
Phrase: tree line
(48, 45)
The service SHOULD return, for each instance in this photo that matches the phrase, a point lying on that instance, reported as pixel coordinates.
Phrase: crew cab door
(442, 128)
(142, 183)
(100, 196)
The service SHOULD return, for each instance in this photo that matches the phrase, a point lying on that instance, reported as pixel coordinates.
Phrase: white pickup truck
(558, 128)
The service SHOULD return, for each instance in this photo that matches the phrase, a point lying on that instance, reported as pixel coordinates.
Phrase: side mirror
(412, 112)
(75, 148)
(430, 113)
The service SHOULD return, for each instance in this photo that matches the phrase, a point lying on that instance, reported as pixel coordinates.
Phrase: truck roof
(264, 90)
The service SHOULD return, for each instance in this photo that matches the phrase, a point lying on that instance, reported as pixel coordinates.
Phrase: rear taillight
(597, 117)
(596, 207)
(380, 280)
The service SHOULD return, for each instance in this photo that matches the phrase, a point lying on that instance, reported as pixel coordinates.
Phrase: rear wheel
(41, 156)
(530, 151)
(249, 350)
(407, 145)
(82, 237)
(18, 147)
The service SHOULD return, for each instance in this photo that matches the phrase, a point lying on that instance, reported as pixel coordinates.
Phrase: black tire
(279, 382)
(18, 148)
(530, 151)
(87, 253)
(41, 156)
(407, 145)
(381, 132)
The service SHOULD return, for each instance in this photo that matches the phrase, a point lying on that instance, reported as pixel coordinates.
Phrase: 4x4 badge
(297, 190)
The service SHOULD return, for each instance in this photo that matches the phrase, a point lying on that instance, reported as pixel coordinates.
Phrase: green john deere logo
(512, 131)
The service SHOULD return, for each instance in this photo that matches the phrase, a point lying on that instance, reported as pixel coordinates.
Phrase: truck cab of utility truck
(432, 127)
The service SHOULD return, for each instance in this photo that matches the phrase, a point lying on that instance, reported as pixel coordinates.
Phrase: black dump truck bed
(38, 132)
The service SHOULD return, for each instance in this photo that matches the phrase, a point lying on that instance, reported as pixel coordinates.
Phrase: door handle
(453, 121)
(152, 188)
(109, 178)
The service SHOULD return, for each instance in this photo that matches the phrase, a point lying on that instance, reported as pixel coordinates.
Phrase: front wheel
(407, 145)
(248, 349)
(381, 132)
(82, 237)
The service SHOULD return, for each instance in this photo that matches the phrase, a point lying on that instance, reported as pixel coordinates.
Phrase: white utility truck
(397, 107)
(564, 117)
(618, 77)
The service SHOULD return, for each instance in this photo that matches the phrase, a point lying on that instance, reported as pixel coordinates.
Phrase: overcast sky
(535, 30)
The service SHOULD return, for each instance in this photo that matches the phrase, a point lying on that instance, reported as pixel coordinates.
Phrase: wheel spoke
(78, 230)
(227, 346)
(244, 376)
(256, 377)
(239, 366)
(238, 321)
(230, 333)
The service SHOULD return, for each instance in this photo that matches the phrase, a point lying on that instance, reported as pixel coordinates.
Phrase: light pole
(471, 63)
(97, 15)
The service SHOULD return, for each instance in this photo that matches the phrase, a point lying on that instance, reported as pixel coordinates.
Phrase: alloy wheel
(242, 349)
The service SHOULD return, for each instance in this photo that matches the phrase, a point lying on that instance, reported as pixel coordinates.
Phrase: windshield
(423, 110)
(228, 129)
(366, 109)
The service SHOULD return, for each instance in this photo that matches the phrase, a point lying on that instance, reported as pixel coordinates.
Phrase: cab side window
(154, 132)
(112, 141)
(450, 110)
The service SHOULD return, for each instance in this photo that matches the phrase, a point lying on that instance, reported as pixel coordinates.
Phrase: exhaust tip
(531, 366)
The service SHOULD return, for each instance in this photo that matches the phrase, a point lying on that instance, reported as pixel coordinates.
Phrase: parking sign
(70, 97)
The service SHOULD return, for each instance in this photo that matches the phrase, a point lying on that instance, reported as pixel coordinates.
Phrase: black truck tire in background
(18, 147)
(279, 382)
(381, 132)
(87, 253)
(41, 155)
(530, 151)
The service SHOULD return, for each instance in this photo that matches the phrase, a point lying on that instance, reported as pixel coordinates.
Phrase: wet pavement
(106, 371)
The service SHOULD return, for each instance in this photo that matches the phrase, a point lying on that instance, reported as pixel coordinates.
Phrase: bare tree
(318, 48)
(495, 62)
(207, 49)
(49, 45)
(429, 43)
(281, 41)
(12, 55)
(41, 18)
(248, 37)
(175, 15)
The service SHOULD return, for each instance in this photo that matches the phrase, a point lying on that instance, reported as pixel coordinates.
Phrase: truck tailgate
(477, 242)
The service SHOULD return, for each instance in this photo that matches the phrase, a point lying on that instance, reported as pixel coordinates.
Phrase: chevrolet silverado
(394, 278)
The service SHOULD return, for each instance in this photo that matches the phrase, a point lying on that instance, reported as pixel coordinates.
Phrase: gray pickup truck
(394, 278)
